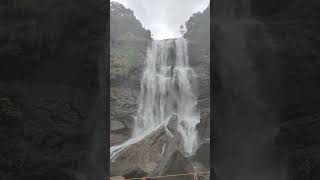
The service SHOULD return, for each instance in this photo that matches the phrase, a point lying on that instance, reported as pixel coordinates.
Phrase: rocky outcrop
(126, 169)
(134, 173)
(152, 149)
(204, 126)
(123, 102)
(177, 163)
(203, 155)
(198, 35)
(129, 42)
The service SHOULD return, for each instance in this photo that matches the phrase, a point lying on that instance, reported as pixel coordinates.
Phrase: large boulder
(153, 148)
(175, 164)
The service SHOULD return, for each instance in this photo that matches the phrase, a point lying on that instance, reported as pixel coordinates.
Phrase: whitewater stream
(168, 87)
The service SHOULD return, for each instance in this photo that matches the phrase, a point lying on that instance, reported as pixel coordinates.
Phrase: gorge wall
(128, 53)
(128, 48)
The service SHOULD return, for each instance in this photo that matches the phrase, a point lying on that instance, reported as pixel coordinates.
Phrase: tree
(182, 30)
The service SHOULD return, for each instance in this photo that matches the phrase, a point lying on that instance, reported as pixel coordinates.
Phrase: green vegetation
(198, 27)
(128, 42)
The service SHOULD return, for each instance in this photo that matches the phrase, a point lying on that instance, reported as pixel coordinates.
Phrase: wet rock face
(175, 164)
(116, 125)
(200, 62)
(204, 126)
(173, 123)
(123, 106)
(151, 150)
(198, 36)
(129, 42)
(118, 138)
(203, 155)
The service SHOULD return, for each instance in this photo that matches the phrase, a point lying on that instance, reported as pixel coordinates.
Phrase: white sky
(164, 17)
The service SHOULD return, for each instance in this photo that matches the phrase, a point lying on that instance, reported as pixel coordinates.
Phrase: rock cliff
(128, 46)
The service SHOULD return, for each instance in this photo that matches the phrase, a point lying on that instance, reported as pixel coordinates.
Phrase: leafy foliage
(122, 20)
(198, 27)
(128, 42)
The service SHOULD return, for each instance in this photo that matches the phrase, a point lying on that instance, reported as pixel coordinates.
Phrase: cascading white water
(167, 89)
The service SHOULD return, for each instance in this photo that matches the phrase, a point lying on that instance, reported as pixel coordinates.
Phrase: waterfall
(167, 89)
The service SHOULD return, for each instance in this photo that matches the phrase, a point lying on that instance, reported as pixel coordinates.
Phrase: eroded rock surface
(177, 163)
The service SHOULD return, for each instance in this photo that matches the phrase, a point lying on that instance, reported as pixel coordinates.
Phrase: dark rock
(118, 138)
(118, 168)
(126, 169)
(152, 149)
(204, 103)
(198, 35)
(134, 173)
(116, 125)
(128, 122)
(203, 155)
(199, 167)
(175, 164)
(203, 126)
(173, 123)
(123, 103)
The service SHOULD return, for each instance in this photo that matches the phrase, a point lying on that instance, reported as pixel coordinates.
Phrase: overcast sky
(164, 17)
